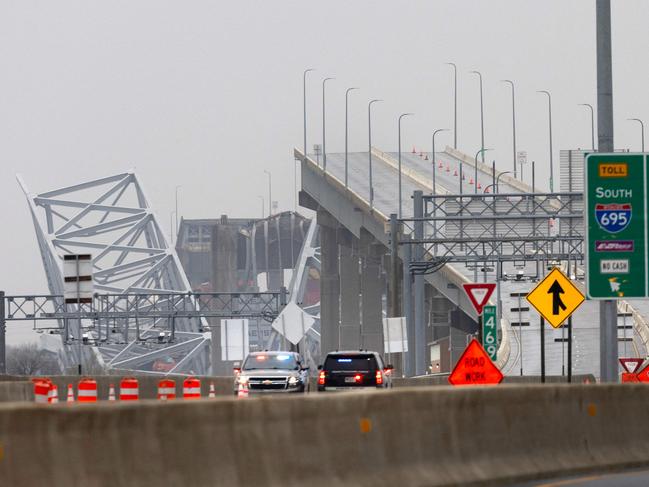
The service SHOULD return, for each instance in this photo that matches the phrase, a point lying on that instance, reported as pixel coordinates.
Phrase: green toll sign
(615, 209)
(490, 331)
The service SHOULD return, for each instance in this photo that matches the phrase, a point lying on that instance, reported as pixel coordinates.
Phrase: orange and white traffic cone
(70, 393)
(414, 151)
(470, 180)
(242, 393)
(448, 168)
(54, 394)
(111, 392)
(212, 394)
(441, 165)
(479, 186)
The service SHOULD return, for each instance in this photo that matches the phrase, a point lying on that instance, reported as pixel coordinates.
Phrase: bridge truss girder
(111, 218)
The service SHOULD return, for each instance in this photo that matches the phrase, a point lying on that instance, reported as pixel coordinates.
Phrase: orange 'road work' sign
(475, 368)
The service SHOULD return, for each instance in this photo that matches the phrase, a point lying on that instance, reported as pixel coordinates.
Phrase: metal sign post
(556, 298)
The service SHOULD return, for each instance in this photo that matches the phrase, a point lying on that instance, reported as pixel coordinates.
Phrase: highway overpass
(350, 228)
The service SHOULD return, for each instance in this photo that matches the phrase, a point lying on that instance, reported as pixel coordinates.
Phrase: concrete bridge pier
(350, 288)
(329, 283)
(372, 288)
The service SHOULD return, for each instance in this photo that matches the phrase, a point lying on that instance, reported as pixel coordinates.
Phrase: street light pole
(641, 128)
(270, 195)
(475, 182)
(369, 138)
(324, 131)
(513, 122)
(592, 123)
(176, 227)
(481, 113)
(304, 102)
(263, 209)
(497, 188)
(171, 227)
(550, 124)
(454, 104)
(433, 158)
(399, 124)
(346, 130)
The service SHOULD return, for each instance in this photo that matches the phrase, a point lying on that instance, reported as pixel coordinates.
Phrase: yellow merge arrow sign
(555, 297)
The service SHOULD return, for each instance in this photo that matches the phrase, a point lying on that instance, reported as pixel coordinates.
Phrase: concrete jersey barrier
(424, 436)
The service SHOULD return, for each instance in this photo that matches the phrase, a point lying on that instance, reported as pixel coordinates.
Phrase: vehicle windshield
(270, 361)
(351, 363)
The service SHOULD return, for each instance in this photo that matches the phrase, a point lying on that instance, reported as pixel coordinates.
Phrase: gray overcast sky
(207, 94)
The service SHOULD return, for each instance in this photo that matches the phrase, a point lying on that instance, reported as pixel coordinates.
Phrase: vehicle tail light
(379, 378)
(321, 378)
(358, 378)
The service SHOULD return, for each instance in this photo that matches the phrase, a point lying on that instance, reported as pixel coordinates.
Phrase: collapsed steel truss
(111, 218)
(310, 257)
(491, 228)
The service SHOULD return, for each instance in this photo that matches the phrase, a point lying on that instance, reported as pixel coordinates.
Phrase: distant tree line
(28, 359)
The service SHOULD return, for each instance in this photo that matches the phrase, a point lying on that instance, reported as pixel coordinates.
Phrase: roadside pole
(542, 326)
(420, 326)
(406, 303)
(607, 308)
(394, 308)
(570, 348)
(3, 335)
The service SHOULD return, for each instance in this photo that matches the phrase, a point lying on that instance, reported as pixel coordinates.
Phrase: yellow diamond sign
(555, 297)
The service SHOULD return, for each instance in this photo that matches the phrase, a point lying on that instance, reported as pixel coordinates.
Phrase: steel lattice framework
(111, 218)
(107, 310)
(491, 228)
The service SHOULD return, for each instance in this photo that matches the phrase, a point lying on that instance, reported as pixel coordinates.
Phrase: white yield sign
(479, 294)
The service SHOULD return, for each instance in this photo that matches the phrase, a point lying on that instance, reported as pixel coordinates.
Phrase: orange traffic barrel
(42, 390)
(87, 390)
(191, 388)
(129, 389)
(167, 389)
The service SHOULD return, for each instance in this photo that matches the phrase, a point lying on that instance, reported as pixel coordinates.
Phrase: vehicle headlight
(293, 381)
(243, 379)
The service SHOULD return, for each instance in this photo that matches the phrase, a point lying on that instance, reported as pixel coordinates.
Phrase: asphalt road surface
(636, 478)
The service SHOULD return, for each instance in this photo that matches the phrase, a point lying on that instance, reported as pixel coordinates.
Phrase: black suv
(354, 370)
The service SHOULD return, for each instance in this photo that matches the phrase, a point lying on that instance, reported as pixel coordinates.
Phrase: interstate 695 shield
(615, 226)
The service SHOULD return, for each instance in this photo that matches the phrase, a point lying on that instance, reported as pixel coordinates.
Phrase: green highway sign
(489, 331)
(615, 222)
